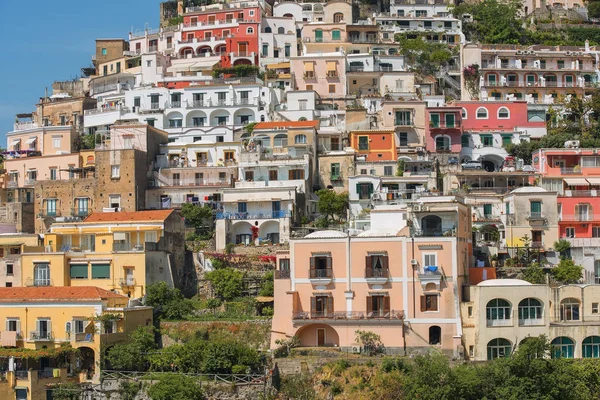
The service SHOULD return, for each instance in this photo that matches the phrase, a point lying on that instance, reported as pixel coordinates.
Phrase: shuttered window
(100, 271)
(429, 302)
(79, 271)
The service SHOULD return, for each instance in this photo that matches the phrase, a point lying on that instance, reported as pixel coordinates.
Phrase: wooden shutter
(312, 263)
(368, 262)
(434, 303)
(7, 325)
(386, 262)
(330, 305)
(423, 303)
(313, 305)
(369, 304)
(386, 304)
(291, 174)
(37, 326)
(301, 174)
(49, 325)
(328, 262)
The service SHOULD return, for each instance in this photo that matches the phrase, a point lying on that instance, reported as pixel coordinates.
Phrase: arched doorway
(319, 335)
(86, 361)
(435, 334)
(431, 225)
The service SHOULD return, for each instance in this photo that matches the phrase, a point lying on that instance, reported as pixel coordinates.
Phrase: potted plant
(494, 260)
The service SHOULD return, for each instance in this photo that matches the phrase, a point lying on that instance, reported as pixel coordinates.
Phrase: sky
(46, 41)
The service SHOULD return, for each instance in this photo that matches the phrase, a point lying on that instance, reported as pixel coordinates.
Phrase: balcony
(354, 68)
(430, 274)
(498, 322)
(30, 282)
(444, 232)
(128, 247)
(282, 274)
(578, 218)
(343, 316)
(309, 75)
(126, 282)
(40, 336)
(571, 170)
(535, 216)
(82, 337)
(174, 104)
(321, 276)
(198, 104)
(332, 74)
(580, 193)
(531, 321)
(377, 276)
(30, 182)
(248, 215)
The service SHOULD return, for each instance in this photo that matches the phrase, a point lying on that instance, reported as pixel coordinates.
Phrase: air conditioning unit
(414, 263)
(424, 208)
(417, 207)
(356, 349)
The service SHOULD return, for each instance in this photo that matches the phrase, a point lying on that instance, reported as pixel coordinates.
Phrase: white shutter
(50, 328)
(37, 326)
(7, 325)
(18, 327)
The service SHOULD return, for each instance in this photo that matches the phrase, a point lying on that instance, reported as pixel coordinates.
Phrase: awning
(196, 65)
(264, 299)
(15, 142)
(31, 140)
(576, 182)
(120, 236)
(593, 181)
(309, 66)
(282, 65)
(331, 65)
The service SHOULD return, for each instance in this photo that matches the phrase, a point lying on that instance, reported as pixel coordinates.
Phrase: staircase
(453, 86)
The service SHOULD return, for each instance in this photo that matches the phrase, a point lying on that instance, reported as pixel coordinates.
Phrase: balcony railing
(247, 215)
(578, 217)
(38, 282)
(350, 315)
(282, 274)
(377, 272)
(41, 336)
(570, 170)
(332, 74)
(449, 232)
(321, 273)
(127, 282)
(533, 216)
(128, 247)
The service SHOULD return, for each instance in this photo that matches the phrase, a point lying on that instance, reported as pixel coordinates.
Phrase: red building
(444, 129)
(502, 116)
(230, 32)
(575, 175)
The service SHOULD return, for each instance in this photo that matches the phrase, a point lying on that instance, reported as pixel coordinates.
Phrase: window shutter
(434, 302)
(386, 262)
(330, 305)
(423, 303)
(301, 174)
(313, 305)
(576, 209)
(358, 189)
(49, 325)
(369, 304)
(368, 262)
(18, 327)
(7, 325)
(37, 326)
(370, 189)
(312, 263)
(386, 304)
(291, 174)
(328, 262)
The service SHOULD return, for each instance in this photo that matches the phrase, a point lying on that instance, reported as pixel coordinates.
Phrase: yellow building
(11, 247)
(122, 252)
(55, 320)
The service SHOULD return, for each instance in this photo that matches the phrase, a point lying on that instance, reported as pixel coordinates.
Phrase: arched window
(431, 225)
(41, 275)
(482, 113)
(497, 312)
(497, 348)
(268, 29)
(280, 140)
(263, 141)
(338, 17)
(530, 312)
(280, 30)
(562, 347)
(464, 113)
(300, 139)
(307, 7)
(435, 335)
(68, 328)
(503, 113)
(569, 309)
(442, 143)
(250, 30)
(591, 347)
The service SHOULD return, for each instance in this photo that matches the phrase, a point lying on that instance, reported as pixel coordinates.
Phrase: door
(559, 163)
(536, 238)
(129, 276)
(276, 208)
(320, 337)
(44, 363)
(43, 329)
(242, 48)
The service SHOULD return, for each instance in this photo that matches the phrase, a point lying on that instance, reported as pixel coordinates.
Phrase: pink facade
(496, 115)
(443, 130)
(330, 285)
(324, 73)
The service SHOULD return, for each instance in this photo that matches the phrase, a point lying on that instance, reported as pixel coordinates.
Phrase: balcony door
(321, 306)
(43, 328)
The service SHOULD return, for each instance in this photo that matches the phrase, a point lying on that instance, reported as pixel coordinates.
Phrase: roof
(135, 216)
(378, 233)
(58, 293)
(529, 189)
(327, 234)
(287, 124)
(504, 282)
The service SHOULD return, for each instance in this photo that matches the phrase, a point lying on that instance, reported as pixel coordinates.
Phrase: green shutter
(100, 271)
(370, 189)
(336, 35)
(79, 271)
(318, 35)
(435, 120)
(449, 120)
(536, 206)
(487, 209)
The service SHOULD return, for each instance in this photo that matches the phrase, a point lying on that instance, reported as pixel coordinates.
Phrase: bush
(168, 302)
(267, 312)
(133, 356)
(239, 369)
(176, 387)
(567, 272)
(267, 287)
(227, 283)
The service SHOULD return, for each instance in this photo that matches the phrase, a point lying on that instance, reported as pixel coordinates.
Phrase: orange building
(376, 145)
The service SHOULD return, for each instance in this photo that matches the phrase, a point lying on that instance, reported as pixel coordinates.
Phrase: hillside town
(376, 177)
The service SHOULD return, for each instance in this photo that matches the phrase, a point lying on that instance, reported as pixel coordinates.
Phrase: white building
(277, 40)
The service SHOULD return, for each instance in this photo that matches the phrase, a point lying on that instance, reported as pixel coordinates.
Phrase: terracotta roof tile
(287, 124)
(134, 216)
(58, 293)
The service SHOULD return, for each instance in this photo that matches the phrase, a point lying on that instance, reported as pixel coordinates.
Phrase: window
(222, 121)
(51, 207)
(100, 271)
(175, 123)
(569, 309)
(303, 105)
(9, 269)
(363, 143)
(403, 118)
(388, 170)
(220, 139)
(332, 88)
(320, 266)
(535, 208)
(242, 207)
(487, 140)
(429, 259)
(506, 140)
(570, 232)
(273, 175)
(503, 113)
(482, 113)
(41, 275)
(498, 348)
(56, 142)
(250, 30)
(79, 271)
(338, 17)
(497, 310)
(591, 346)
(318, 35)
(335, 171)
(465, 140)
(449, 120)
(403, 138)
(13, 325)
(8, 284)
(287, 50)
(82, 206)
(442, 143)
(464, 113)
(300, 139)
(115, 171)
(251, 13)
(198, 121)
(114, 201)
(280, 140)
(594, 308)
(296, 174)
(562, 347)
(434, 120)
(364, 190)
(321, 306)
(378, 306)
(249, 175)
(336, 34)
(309, 87)
(376, 265)
(530, 312)
(435, 334)
(429, 302)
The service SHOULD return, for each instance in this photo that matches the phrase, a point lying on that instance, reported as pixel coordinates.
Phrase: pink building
(384, 279)
(325, 73)
(444, 129)
(500, 116)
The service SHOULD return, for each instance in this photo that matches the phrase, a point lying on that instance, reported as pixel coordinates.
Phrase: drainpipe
(413, 282)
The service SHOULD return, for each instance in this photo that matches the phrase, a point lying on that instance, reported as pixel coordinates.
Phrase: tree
(196, 215)
(333, 206)
(67, 391)
(493, 21)
(227, 283)
(168, 302)
(563, 246)
(133, 356)
(593, 9)
(370, 341)
(267, 286)
(534, 274)
(176, 387)
(567, 272)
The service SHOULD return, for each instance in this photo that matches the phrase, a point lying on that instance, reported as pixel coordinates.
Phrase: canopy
(31, 140)
(281, 65)
(309, 66)
(15, 142)
(576, 182)
(196, 65)
(593, 181)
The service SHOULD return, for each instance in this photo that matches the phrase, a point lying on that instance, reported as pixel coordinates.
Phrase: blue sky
(46, 41)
